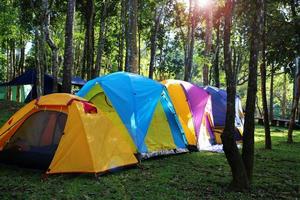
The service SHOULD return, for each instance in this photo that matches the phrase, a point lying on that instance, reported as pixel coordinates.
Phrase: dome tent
(193, 107)
(58, 132)
(141, 105)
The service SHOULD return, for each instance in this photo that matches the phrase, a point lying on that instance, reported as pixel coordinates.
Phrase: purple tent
(193, 107)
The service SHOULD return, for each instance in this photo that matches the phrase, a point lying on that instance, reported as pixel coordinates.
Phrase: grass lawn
(197, 175)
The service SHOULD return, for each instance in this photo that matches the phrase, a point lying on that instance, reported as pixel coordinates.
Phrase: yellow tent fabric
(182, 107)
(90, 150)
(85, 146)
(159, 133)
(98, 98)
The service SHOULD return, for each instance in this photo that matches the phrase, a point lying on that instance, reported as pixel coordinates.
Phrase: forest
(251, 48)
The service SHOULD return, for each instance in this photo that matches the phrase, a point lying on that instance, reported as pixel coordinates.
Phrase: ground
(197, 175)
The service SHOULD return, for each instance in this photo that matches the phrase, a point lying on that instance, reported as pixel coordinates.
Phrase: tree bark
(217, 52)
(294, 108)
(90, 16)
(249, 127)
(268, 143)
(39, 91)
(157, 18)
(190, 41)
(84, 67)
(239, 181)
(13, 58)
(296, 22)
(8, 70)
(50, 42)
(139, 49)
(283, 108)
(101, 40)
(208, 43)
(68, 52)
(22, 57)
(132, 37)
(20, 66)
(122, 35)
(272, 93)
(187, 67)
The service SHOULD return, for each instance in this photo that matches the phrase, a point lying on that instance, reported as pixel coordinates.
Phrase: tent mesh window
(36, 140)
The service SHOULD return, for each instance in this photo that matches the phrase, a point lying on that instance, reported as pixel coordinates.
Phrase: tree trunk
(50, 42)
(296, 22)
(68, 52)
(283, 108)
(239, 181)
(13, 58)
(122, 35)
(293, 112)
(90, 16)
(139, 50)
(208, 43)
(249, 127)
(132, 37)
(9, 69)
(188, 42)
(84, 67)
(22, 57)
(216, 60)
(101, 40)
(268, 143)
(38, 83)
(157, 18)
(20, 66)
(272, 93)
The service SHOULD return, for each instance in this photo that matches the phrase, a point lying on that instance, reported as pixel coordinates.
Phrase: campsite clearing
(192, 175)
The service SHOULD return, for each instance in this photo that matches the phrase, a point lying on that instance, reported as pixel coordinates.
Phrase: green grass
(198, 175)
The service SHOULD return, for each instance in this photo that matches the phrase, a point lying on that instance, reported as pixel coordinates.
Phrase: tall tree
(268, 143)
(208, 41)
(122, 35)
(90, 20)
(294, 108)
(295, 17)
(101, 40)
(54, 48)
(157, 19)
(272, 92)
(38, 64)
(68, 52)
(131, 46)
(240, 180)
(216, 56)
(190, 41)
(249, 127)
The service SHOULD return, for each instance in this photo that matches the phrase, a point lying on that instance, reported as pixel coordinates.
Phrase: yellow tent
(61, 133)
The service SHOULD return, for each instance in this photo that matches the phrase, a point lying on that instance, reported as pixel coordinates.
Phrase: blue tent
(219, 107)
(30, 77)
(219, 104)
(136, 99)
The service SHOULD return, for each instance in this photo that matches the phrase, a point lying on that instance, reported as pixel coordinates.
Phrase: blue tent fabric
(78, 81)
(29, 78)
(134, 98)
(179, 140)
(219, 104)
